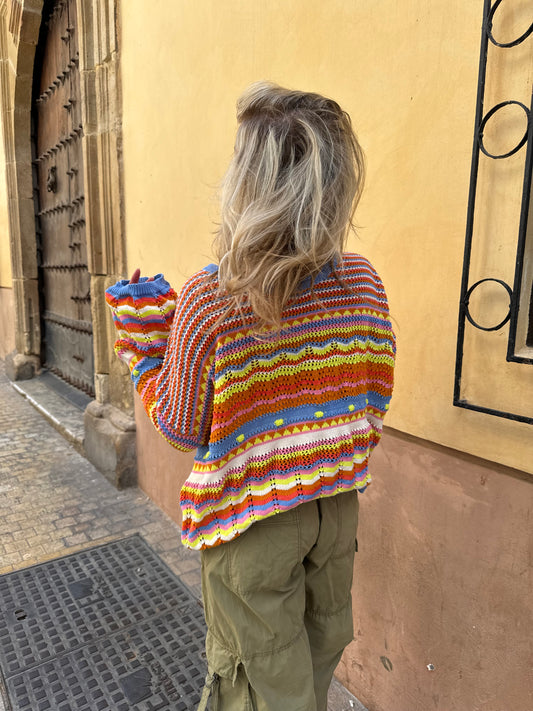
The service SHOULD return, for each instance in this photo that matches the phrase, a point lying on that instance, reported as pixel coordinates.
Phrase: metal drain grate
(110, 628)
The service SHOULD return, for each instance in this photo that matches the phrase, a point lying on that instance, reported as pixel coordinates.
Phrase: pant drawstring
(210, 681)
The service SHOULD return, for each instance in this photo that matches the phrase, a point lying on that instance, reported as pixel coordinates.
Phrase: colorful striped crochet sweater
(277, 420)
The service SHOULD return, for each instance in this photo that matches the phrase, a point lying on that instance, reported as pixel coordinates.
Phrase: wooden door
(67, 348)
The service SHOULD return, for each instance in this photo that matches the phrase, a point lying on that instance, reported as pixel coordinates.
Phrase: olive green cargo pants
(278, 608)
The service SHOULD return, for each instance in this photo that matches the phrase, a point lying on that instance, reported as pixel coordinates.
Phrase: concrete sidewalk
(54, 502)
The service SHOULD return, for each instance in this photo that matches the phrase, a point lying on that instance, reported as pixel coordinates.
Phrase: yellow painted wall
(5, 254)
(407, 74)
(7, 329)
(8, 62)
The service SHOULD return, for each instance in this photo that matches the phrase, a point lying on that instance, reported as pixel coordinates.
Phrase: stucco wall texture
(7, 324)
(407, 74)
(5, 252)
(443, 577)
(7, 306)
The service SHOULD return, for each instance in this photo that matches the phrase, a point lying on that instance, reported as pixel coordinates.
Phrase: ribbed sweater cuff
(144, 288)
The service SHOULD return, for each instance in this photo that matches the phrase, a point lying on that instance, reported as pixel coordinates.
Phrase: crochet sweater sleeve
(168, 358)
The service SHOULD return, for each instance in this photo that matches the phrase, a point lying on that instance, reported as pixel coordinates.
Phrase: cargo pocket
(341, 563)
(347, 523)
(265, 556)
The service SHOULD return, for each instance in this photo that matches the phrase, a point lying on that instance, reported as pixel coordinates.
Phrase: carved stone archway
(109, 424)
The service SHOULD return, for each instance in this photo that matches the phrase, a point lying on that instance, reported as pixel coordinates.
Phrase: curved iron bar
(489, 115)
(467, 304)
(514, 42)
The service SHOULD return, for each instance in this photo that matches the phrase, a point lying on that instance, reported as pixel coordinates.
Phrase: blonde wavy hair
(287, 199)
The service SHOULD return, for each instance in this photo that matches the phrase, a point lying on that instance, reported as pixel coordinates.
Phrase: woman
(276, 366)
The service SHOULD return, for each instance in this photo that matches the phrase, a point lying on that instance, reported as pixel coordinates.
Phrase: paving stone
(166, 544)
(82, 518)
(76, 540)
(53, 500)
(98, 533)
(10, 559)
(60, 533)
(35, 553)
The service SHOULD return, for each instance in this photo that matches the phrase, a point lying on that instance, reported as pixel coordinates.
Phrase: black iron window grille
(520, 312)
